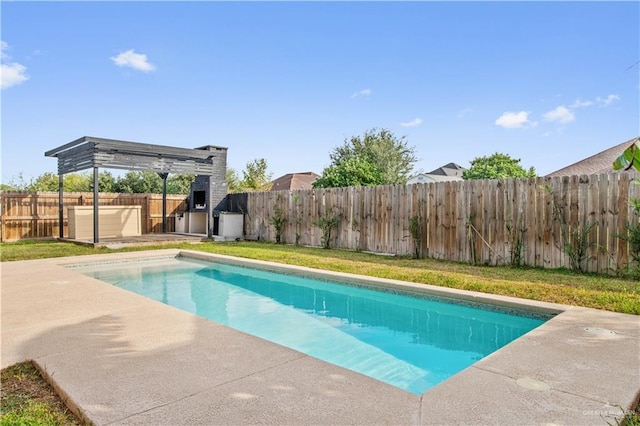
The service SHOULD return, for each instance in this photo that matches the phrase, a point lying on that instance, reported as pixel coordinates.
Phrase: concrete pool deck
(120, 358)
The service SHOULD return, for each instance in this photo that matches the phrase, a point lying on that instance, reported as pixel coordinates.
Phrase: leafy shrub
(278, 220)
(326, 224)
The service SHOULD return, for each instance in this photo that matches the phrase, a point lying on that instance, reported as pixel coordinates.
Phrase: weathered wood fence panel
(481, 221)
(467, 221)
(35, 214)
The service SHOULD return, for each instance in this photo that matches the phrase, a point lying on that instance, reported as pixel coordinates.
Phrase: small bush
(278, 220)
(632, 237)
(575, 241)
(415, 229)
(297, 217)
(516, 243)
(326, 224)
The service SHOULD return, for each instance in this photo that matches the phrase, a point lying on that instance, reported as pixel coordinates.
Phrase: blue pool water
(409, 342)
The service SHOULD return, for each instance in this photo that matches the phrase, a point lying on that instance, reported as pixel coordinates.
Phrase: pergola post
(164, 201)
(60, 206)
(96, 225)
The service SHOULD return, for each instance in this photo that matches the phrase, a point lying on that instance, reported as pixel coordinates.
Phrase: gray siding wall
(215, 186)
(218, 182)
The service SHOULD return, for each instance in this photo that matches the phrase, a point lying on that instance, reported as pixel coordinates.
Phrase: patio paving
(144, 240)
(120, 358)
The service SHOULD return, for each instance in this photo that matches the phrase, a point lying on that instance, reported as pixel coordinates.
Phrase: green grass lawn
(27, 399)
(558, 286)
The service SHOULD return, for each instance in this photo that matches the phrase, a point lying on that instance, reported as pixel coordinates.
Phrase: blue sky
(547, 82)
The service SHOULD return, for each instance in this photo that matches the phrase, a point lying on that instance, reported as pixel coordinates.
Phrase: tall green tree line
(255, 177)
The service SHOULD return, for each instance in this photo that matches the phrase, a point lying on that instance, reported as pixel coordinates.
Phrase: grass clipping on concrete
(27, 399)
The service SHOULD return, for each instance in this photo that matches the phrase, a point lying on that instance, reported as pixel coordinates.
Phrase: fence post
(60, 207)
(3, 208)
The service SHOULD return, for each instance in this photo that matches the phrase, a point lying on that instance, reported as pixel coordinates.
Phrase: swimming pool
(410, 342)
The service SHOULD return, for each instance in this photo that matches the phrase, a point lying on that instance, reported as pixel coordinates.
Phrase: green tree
(180, 183)
(72, 182)
(106, 182)
(353, 171)
(47, 181)
(255, 176)
(497, 166)
(234, 184)
(134, 182)
(16, 183)
(7, 187)
(77, 182)
(378, 158)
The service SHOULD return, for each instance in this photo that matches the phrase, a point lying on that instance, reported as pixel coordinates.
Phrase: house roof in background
(432, 178)
(599, 163)
(448, 172)
(293, 181)
(451, 169)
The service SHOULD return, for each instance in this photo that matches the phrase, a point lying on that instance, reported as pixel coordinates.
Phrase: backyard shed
(90, 152)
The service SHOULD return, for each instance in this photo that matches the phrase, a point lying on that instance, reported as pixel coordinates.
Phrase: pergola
(90, 152)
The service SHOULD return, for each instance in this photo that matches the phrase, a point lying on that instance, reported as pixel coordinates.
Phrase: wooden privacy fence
(35, 214)
(482, 221)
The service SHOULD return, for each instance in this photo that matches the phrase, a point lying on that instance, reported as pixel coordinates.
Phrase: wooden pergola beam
(91, 152)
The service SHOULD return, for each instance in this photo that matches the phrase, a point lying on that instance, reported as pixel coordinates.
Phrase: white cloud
(413, 123)
(605, 102)
(514, 120)
(561, 114)
(12, 73)
(131, 59)
(363, 92)
(3, 46)
(580, 104)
